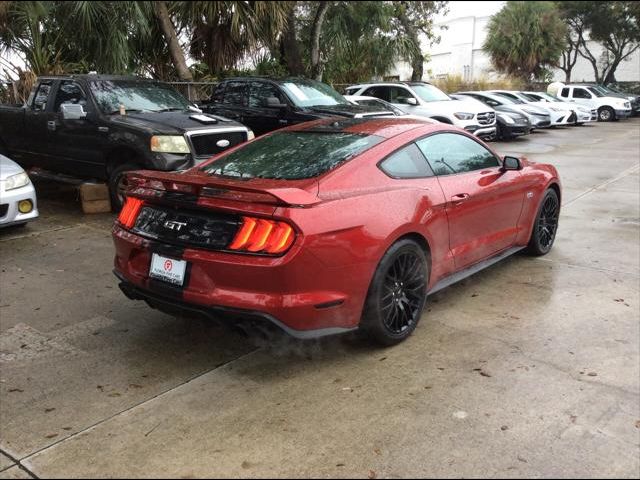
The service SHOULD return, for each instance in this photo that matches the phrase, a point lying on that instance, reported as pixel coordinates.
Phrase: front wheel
(545, 224)
(606, 114)
(397, 294)
(118, 184)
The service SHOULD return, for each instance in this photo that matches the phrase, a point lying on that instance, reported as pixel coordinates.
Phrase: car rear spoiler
(154, 184)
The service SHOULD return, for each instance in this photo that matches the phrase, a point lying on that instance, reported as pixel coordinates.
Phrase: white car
(609, 107)
(17, 196)
(425, 100)
(583, 114)
(376, 102)
(560, 114)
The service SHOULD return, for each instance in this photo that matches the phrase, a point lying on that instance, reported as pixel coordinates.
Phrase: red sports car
(331, 225)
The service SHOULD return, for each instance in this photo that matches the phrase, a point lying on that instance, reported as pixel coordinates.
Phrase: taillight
(259, 235)
(130, 211)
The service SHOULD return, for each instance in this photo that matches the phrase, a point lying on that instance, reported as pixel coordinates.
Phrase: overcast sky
(470, 9)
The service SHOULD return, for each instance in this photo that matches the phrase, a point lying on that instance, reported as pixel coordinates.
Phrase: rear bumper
(297, 292)
(234, 318)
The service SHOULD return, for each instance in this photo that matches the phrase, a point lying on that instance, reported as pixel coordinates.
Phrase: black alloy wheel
(546, 224)
(118, 184)
(397, 294)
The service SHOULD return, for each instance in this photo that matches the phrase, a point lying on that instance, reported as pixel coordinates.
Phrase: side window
(235, 94)
(490, 101)
(407, 163)
(41, 96)
(400, 95)
(218, 93)
(565, 92)
(450, 153)
(581, 93)
(378, 92)
(260, 91)
(69, 92)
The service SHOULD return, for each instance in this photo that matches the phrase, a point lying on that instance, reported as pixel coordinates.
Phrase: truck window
(41, 96)
(69, 92)
(565, 92)
(260, 91)
(581, 93)
(235, 94)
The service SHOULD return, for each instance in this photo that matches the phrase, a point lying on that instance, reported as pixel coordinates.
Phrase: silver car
(18, 202)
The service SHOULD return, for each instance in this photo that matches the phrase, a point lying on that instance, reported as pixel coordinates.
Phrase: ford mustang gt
(331, 226)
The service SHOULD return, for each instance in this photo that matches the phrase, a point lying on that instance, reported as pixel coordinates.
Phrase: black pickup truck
(265, 104)
(97, 126)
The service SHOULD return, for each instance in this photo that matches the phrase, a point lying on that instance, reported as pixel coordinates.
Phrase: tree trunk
(170, 36)
(316, 30)
(417, 64)
(290, 48)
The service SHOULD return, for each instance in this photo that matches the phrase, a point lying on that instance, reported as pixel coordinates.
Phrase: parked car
(267, 104)
(538, 117)
(424, 99)
(18, 203)
(609, 107)
(331, 226)
(98, 126)
(583, 114)
(559, 113)
(634, 99)
(509, 124)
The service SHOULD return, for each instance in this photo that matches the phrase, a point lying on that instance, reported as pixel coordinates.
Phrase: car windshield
(136, 96)
(508, 97)
(429, 93)
(596, 91)
(291, 155)
(310, 93)
(535, 98)
(547, 97)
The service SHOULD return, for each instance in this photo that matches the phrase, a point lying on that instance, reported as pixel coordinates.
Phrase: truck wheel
(118, 185)
(606, 114)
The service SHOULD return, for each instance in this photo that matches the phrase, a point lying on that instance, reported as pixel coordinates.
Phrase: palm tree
(223, 32)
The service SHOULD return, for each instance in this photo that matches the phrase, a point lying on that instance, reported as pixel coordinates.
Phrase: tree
(314, 42)
(616, 26)
(222, 33)
(409, 20)
(574, 15)
(525, 38)
(171, 38)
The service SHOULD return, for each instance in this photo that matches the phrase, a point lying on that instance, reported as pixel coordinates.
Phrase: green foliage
(525, 38)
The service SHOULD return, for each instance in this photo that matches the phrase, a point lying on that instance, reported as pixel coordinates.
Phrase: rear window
(292, 155)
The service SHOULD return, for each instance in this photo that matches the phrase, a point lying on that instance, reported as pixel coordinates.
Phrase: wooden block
(94, 191)
(96, 206)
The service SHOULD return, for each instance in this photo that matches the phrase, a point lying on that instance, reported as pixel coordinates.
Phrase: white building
(460, 49)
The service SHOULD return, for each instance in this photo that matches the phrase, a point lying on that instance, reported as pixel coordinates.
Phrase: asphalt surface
(529, 368)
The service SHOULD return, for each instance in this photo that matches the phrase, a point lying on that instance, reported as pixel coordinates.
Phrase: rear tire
(606, 114)
(397, 294)
(117, 184)
(545, 225)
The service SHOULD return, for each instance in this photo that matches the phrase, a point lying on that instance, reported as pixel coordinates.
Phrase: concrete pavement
(530, 368)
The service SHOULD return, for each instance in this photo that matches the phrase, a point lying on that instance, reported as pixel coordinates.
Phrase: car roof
(93, 76)
(277, 80)
(386, 127)
(387, 84)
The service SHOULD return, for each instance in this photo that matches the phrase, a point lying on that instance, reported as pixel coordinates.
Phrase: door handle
(459, 198)
(51, 125)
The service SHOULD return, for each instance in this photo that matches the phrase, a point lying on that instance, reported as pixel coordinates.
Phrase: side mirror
(72, 111)
(408, 101)
(274, 102)
(511, 163)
